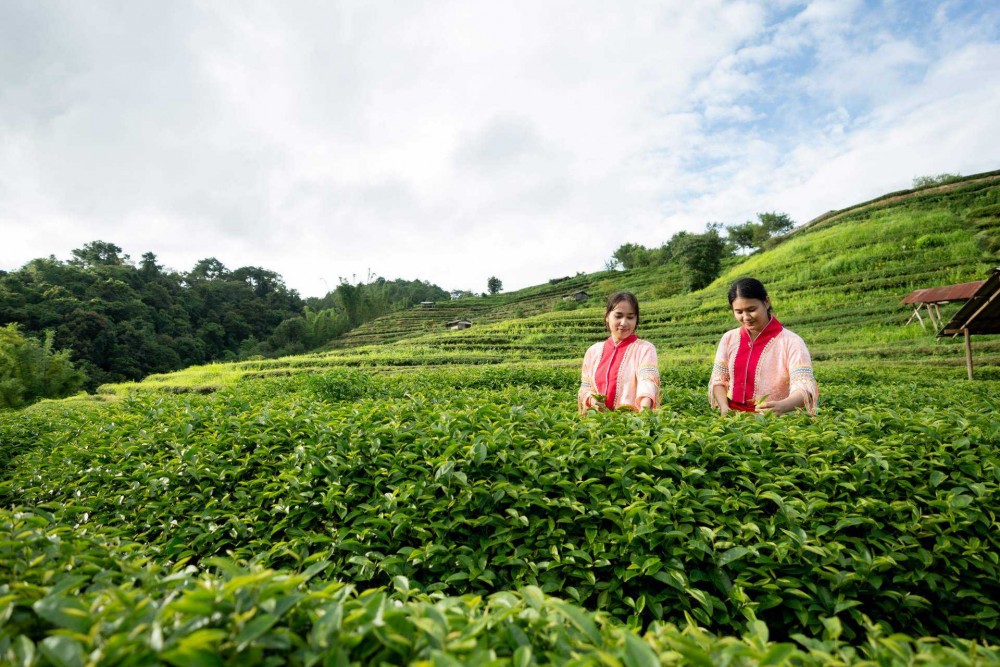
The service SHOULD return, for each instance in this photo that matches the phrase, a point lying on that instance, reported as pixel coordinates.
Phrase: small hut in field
(933, 297)
(979, 315)
(458, 325)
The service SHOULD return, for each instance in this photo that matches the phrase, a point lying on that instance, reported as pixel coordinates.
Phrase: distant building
(426, 304)
(578, 296)
(458, 325)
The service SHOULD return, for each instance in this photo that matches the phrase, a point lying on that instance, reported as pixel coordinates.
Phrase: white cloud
(455, 140)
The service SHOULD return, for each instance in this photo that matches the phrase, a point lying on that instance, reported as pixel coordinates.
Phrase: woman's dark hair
(617, 298)
(748, 288)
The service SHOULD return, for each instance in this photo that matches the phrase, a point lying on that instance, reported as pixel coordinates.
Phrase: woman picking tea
(622, 371)
(760, 366)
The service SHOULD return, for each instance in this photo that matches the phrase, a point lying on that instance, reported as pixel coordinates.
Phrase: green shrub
(990, 211)
(345, 384)
(70, 598)
(473, 481)
(940, 179)
(931, 241)
(566, 304)
(30, 370)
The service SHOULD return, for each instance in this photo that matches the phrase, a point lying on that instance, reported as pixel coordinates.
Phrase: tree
(208, 269)
(628, 255)
(755, 235)
(494, 285)
(261, 281)
(325, 325)
(699, 255)
(30, 369)
(742, 236)
(98, 253)
(940, 179)
(148, 267)
(350, 301)
(633, 256)
(293, 336)
(775, 223)
(123, 321)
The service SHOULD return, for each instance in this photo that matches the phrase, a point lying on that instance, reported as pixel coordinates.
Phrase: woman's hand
(776, 407)
(794, 401)
(645, 403)
(721, 399)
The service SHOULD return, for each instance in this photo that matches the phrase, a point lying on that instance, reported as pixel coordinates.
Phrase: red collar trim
(610, 342)
(606, 376)
(747, 359)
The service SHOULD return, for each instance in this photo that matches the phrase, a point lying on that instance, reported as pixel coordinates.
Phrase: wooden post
(968, 352)
(930, 314)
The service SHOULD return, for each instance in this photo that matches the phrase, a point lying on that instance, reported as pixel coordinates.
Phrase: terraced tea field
(837, 283)
(423, 496)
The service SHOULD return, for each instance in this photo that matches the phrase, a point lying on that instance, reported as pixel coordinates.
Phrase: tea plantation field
(430, 497)
(838, 283)
(470, 515)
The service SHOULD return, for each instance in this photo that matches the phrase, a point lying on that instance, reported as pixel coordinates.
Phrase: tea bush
(74, 599)
(472, 482)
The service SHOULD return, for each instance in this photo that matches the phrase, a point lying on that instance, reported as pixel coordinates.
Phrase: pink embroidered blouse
(625, 373)
(773, 365)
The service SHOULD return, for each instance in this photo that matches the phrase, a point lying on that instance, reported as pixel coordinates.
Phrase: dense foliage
(123, 321)
(940, 179)
(31, 369)
(700, 256)
(756, 235)
(877, 516)
(121, 609)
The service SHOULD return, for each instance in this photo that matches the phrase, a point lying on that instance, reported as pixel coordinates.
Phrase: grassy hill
(415, 495)
(837, 282)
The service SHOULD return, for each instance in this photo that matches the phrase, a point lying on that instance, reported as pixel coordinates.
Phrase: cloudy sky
(452, 140)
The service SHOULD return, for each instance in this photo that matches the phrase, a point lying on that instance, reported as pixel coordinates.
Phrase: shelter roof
(946, 294)
(981, 313)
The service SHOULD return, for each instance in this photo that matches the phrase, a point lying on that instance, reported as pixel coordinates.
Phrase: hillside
(851, 270)
(837, 282)
(430, 497)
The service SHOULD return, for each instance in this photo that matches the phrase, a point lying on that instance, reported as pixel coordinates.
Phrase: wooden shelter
(932, 297)
(979, 315)
(458, 325)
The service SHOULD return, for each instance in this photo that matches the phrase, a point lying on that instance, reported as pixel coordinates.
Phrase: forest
(123, 320)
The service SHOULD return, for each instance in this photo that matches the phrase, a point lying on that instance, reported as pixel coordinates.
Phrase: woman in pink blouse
(761, 366)
(622, 369)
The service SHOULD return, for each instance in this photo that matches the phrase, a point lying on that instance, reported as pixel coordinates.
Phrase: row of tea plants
(470, 514)
(73, 599)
